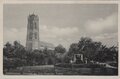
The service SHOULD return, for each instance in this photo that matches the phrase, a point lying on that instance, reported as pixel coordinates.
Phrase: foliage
(16, 55)
(93, 50)
(60, 49)
(106, 54)
(59, 52)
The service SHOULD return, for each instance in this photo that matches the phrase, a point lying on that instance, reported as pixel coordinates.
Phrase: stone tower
(32, 41)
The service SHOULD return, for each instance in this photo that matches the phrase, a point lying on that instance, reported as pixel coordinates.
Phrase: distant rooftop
(46, 45)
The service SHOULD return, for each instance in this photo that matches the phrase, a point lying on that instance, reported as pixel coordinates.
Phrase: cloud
(103, 29)
(108, 39)
(13, 34)
(58, 35)
(58, 31)
(106, 36)
(102, 25)
(48, 32)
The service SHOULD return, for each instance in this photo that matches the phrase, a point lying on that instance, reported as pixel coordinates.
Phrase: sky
(63, 23)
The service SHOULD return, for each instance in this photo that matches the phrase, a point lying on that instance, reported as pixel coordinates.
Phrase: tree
(20, 54)
(14, 55)
(85, 46)
(49, 56)
(88, 47)
(7, 55)
(106, 54)
(8, 50)
(73, 48)
(59, 52)
(60, 49)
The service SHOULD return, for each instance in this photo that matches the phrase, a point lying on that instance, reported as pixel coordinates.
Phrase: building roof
(46, 45)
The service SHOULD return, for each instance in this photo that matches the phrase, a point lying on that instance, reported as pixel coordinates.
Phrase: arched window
(31, 26)
(30, 36)
(35, 25)
(35, 35)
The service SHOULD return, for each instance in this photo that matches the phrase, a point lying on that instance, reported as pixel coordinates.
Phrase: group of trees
(93, 51)
(13, 55)
(16, 55)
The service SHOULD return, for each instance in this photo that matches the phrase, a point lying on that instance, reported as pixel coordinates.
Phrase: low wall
(86, 71)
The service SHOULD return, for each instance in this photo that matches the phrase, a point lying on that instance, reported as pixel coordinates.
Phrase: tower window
(35, 26)
(35, 35)
(30, 36)
(31, 26)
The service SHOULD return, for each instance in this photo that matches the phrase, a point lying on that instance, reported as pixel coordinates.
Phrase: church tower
(32, 41)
